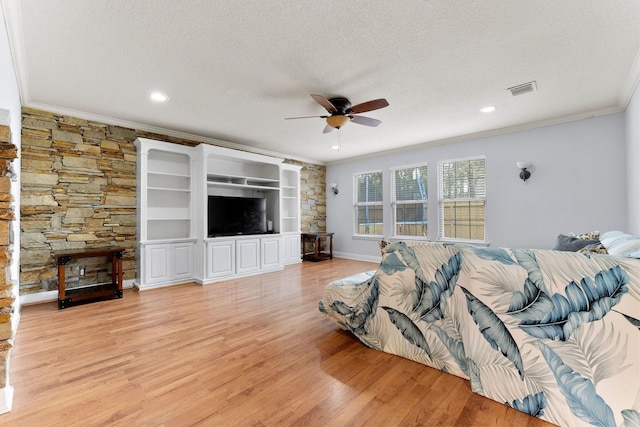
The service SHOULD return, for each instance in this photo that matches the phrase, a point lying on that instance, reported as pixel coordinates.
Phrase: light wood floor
(250, 352)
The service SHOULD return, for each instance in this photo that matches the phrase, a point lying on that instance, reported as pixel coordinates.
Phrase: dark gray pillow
(571, 244)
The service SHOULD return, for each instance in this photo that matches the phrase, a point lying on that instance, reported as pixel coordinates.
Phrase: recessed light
(335, 147)
(488, 109)
(159, 97)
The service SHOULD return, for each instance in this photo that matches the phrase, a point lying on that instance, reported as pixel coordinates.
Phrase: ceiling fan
(340, 112)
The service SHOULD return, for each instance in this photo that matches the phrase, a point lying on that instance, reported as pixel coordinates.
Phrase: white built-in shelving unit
(290, 198)
(166, 229)
(290, 210)
(174, 182)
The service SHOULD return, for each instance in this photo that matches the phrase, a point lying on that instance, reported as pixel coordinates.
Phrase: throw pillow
(621, 244)
(596, 248)
(572, 244)
(593, 235)
(382, 244)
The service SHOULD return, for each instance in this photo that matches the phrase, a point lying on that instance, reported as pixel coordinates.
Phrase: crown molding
(165, 131)
(13, 22)
(631, 83)
(485, 134)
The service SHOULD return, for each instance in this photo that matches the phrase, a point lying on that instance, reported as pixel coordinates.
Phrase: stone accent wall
(8, 152)
(79, 191)
(313, 197)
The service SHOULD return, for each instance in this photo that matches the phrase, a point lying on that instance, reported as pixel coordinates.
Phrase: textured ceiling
(235, 70)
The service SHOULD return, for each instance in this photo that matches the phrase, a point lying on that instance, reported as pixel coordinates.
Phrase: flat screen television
(231, 216)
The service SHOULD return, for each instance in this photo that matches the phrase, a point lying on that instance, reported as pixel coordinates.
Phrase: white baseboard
(201, 281)
(358, 257)
(6, 399)
(46, 296)
(140, 287)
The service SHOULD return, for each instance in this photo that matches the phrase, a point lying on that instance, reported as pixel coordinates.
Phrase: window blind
(409, 201)
(461, 196)
(368, 209)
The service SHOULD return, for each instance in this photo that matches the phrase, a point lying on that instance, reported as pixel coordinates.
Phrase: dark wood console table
(109, 290)
(317, 254)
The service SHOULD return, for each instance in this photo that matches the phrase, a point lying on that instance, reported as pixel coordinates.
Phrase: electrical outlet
(82, 270)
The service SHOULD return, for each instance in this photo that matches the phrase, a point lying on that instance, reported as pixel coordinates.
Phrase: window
(409, 201)
(368, 203)
(461, 199)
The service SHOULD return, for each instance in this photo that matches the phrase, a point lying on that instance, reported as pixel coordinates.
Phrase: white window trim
(357, 204)
(394, 202)
(442, 200)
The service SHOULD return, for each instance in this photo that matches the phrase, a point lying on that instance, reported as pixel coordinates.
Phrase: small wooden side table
(113, 290)
(318, 254)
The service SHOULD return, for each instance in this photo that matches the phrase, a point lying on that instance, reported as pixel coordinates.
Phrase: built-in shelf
(240, 182)
(226, 177)
(241, 186)
(175, 175)
(179, 190)
(165, 193)
(158, 214)
(290, 199)
(174, 183)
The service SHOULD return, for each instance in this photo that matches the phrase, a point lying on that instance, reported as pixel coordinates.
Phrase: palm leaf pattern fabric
(553, 334)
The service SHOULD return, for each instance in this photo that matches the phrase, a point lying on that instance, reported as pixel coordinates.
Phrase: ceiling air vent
(523, 88)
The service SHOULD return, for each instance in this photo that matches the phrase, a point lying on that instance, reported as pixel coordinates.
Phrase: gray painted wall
(632, 134)
(578, 184)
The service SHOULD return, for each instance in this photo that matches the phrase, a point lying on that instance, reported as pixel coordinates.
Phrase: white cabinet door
(167, 263)
(292, 248)
(156, 265)
(270, 253)
(182, 261)
(221, 258)
(247, 256)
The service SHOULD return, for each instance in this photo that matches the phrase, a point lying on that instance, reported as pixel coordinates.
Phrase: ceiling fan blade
(327, 129)
(306, 117)
(367, 121)
(325, 103)
(374, 104)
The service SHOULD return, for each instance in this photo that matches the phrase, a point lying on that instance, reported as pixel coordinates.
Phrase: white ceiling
(235, 70)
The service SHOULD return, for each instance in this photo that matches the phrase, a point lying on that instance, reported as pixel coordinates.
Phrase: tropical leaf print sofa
(553, 334)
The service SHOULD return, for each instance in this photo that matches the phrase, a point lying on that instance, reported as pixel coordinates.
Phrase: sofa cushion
(621, 244)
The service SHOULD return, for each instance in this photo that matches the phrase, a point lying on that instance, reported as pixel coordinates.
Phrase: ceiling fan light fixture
(337, 121)
(340, 112)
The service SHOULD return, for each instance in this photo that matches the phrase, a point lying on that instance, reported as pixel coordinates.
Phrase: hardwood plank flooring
(248, 352)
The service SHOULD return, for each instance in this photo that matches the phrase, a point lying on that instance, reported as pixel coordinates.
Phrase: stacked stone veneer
(78, 191)
(313, 205)
(8, 153)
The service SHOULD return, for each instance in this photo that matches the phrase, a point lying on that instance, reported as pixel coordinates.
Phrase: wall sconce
(334, 188)
(524, 173)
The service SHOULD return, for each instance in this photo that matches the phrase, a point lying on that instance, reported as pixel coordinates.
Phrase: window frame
(357, 204)
(442, 201)
(395, 202)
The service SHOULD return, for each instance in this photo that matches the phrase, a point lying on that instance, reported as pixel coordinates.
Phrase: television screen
(229, 216)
